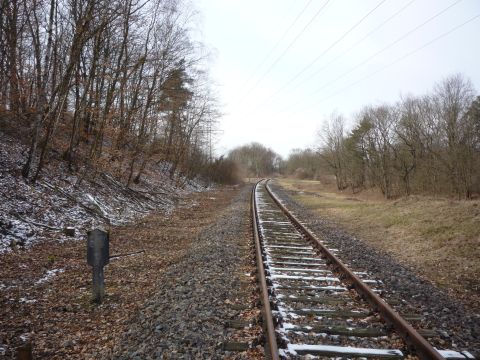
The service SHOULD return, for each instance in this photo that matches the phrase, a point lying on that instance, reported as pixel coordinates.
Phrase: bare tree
(452, 99)
(255, 159)
(332, 147)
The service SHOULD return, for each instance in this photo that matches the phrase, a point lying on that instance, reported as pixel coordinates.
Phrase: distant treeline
(117, 84)
(424, 145)
(255, 160)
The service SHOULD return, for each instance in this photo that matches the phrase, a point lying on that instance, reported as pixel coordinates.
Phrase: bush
(224, 171)
(302, 174)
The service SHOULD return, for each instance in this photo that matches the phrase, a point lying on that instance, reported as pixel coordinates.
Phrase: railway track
(315, 306)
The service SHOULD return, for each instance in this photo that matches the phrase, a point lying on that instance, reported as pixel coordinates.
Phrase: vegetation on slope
(107, 85)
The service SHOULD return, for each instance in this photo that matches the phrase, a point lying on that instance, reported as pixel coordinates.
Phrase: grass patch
(440, 238)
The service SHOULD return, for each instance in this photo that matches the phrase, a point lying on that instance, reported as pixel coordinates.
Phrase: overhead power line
(274, 95)
(314, 61)
(402, 37)
(278, 42)
(403, 57)
(287, 49)
(361, 40)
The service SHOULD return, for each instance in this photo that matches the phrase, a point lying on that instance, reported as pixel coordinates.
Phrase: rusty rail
(408, 333)
(267, 316)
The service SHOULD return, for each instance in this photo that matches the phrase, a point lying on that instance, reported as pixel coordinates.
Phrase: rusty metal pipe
(267, 316)
(408, 333)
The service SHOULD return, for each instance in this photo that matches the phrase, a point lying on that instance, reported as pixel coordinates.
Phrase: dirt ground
(45, 294)
(438, 238)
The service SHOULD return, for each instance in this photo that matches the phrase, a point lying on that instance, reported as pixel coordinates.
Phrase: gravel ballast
(186, 318)
(459, 327)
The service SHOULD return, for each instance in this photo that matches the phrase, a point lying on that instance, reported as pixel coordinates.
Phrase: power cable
(404, 56)
(428, 43)
(408, 33)
(314, 61)
(278, 43)
(361, 40)
(286, 50)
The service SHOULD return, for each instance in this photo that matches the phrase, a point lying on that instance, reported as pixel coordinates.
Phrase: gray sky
(278, 78)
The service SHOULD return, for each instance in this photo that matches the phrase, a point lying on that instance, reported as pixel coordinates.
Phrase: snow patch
(27, 301)
(48, 276)
(341, 350)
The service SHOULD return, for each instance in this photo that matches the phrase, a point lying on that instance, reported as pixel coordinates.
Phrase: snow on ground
(48, 276)
(31, 213)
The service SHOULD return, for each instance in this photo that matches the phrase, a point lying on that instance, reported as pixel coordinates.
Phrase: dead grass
(440, 238)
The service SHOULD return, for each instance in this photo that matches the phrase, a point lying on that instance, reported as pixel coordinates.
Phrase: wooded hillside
(107, 84)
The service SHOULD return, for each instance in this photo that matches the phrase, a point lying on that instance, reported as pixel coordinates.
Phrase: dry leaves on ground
(45, 291)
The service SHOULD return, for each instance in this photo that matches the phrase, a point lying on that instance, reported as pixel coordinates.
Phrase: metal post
(98, 256)
(98, 284)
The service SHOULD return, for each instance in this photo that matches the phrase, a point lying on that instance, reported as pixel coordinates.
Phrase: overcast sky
(282, 67)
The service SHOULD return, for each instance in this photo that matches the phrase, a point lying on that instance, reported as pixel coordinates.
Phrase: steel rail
(406, 331)
(267, 316)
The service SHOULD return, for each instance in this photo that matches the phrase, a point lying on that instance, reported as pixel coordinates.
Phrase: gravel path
(460, 328)
(186, 319)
